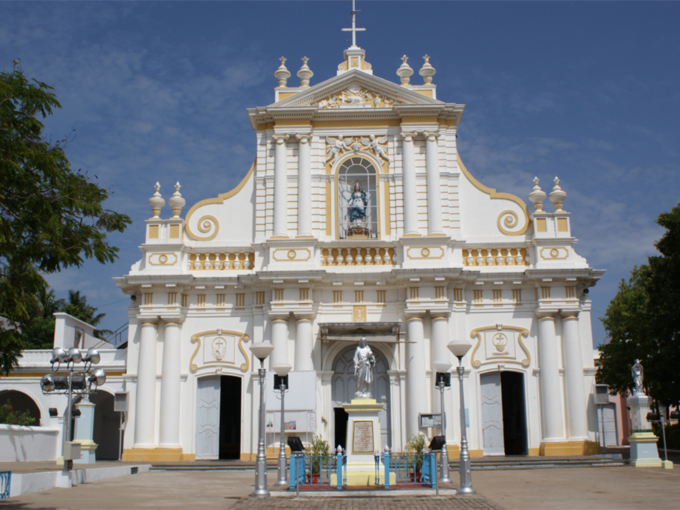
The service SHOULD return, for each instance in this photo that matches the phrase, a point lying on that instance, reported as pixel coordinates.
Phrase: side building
(358, 218)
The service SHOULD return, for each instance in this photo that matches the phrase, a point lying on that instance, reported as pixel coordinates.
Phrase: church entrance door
(504, 427)
(218, 416)
(344, 384)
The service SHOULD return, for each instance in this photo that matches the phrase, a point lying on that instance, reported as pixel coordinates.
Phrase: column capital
(410, 316)
(304, 138)
(304, 317)
(546, 314)
(147, 321)
(431, 136)
(569, 314)
(280, 139)
(408, 136)
(278, 316)
(438, 315)
(173, 319)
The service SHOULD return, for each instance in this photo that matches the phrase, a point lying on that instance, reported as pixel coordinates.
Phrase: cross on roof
(354, 28)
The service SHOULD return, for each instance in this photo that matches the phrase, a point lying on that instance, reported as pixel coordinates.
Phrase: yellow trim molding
(218, 200)
(561, 448)
(157, 455)
(495, 195)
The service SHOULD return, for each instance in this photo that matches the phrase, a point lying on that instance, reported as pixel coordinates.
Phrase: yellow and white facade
(436, 256)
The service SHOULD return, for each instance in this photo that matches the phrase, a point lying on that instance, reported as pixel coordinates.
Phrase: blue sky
(587, 91)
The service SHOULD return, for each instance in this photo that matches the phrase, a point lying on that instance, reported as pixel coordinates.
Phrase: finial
(305, 73)
(427, 71)
(354, 28)
(282, 73)
(156, 202)
(404, 72)
(176, 202)
(557, 195)
(537, 196)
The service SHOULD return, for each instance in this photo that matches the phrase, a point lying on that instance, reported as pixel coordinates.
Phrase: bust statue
(364, 361)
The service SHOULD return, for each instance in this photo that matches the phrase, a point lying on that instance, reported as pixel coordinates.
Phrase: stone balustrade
(221, 261)
(496, 257)
(358, 257)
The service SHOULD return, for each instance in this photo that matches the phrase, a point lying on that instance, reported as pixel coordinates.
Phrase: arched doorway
(21, 403)
(343, 386)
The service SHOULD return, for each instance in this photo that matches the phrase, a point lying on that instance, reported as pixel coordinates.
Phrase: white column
(304, 186)
(170, 386)
(416, 391)
(304, 345)
(577, 408)
(434, 200)
(280, 187)
(409, 182)
(551, 396)
(279, 341)
(440, 338)
(145, 412)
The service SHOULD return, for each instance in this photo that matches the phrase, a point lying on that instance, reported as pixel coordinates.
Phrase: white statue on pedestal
(638, 375)
(364, 361)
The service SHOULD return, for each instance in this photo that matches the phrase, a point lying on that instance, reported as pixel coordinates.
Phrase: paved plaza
(554, 488)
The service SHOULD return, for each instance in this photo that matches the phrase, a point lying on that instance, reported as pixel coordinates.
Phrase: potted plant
(319, 453)
(415, 446)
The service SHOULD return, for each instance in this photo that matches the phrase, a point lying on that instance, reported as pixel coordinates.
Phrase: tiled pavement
(363, 503)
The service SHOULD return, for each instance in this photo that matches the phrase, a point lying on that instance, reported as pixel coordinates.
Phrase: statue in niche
(358, 202)
(364, 363)
(638, 375)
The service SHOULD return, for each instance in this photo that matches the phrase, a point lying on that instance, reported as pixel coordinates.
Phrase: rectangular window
(278, 294)
(457, 294)
(201, 299)
(414, 293)
(304, 294)
(497, 296)
(517, 295)
(172, 298)
(148, 298)
(185, 300)
(477, 296)
(440, 293)
(381, 296)
(358, 296)
(221, 298)
(240, 300)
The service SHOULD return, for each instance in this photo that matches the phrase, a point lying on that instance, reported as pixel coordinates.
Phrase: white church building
(359, 218)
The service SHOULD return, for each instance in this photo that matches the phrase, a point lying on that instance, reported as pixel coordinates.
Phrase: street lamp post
(67, 384)
(459, 348)
(261, 350)
(443, 380)
(282, 373)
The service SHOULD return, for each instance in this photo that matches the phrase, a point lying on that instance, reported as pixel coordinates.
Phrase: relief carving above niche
(500, 344)
(354, 96)
(338, 146)
(219, 347)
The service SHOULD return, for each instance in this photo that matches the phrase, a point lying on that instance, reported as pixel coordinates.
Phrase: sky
(158, 91)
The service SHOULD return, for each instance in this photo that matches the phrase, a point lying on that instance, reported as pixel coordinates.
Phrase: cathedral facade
(358, 219)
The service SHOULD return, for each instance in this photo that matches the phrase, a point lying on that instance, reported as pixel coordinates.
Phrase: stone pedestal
(83, 433)
(363, 440)
(643, 450)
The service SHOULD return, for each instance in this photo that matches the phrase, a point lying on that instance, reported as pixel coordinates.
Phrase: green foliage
(11, 417)
(50, 216)
(77, 307)
(320, 451)
(643, 322)
(416, 443)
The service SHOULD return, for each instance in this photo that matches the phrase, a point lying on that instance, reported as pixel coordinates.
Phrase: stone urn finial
(557, 196)
(176, 201)
(427, 71)
(156, 202)
(282, 73)
(404, 72)
(537, 196)
(305, 73)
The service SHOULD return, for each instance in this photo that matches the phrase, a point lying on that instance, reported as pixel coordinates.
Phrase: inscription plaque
(362, 437)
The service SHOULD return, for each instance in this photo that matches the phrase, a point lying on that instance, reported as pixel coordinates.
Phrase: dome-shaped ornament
(156, 202)
(427, 71)
(176, 201)
(282, 73)
(404, 72)
(557, 196)
(537, 196)
(305, 73)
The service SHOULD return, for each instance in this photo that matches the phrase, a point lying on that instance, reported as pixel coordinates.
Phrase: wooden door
(492, 414)
(208, 418)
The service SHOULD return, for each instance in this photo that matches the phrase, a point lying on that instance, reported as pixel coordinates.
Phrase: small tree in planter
(319, 453)
(415, 446)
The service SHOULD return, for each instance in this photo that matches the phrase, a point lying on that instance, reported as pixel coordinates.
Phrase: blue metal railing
(410, 468)
(5, 484)
(317, 470)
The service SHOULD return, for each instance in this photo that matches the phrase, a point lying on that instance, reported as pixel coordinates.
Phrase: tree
(39, 332)
(51, 217)
(643, 322)
(77, 307)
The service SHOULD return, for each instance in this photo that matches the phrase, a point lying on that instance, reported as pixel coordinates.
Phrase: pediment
(355, 89)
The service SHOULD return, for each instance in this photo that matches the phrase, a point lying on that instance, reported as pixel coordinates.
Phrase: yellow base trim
(534, 452)
(653, 463)
(566, 448)
(279, 237)
(412, 235)
(156, 455)
(364, 478)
